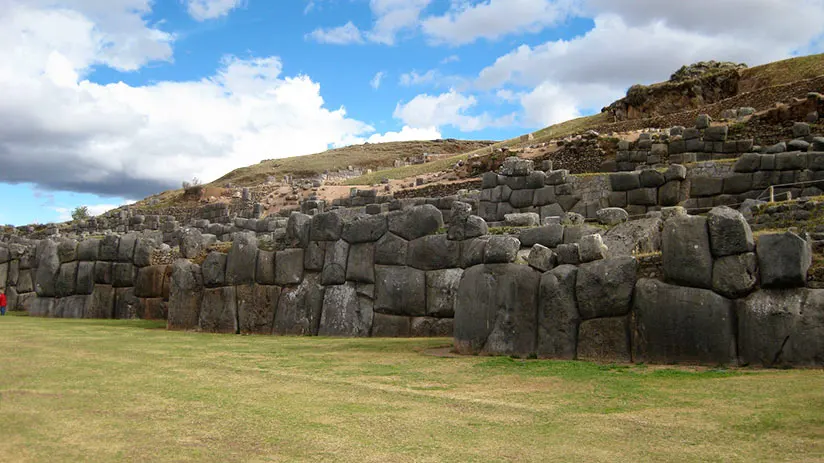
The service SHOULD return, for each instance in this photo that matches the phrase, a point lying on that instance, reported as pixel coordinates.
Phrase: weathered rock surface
(256, 305)
(784, 260)
(675, 324)
(345, 313)
(605, 339)
(496, 311)
(400, 291)
(299, 307)
(604, 288)
(416, 222)
(729, 232)
(185, 297)
(687, 258)
(735, 276)
(218, 311)
(558, 317)
(441, 291)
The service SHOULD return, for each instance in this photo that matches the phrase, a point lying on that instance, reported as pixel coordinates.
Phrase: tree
(80, 213)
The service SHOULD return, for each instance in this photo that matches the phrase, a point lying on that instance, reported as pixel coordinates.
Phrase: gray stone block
(391, 326)
(729, 232)
(472, 251)
(265, 269)
(400, 291)
(416, 222)
(521, 198)
(643, 197)
(123, 275)
(391, 250)
(365, 228)
(568, 254)
(434, 252)
(345, 313)
(441, 291)
(604, 288)
(218, 311)
(256, 306)
(289, 267)
(185, 296)
(299, 308)
(361, 263)
(558, 317)
(88, 250)
(674, 324)
(651, 178)
(150, 280)
(496, 310)
(782, 328)
(214, 270)
(783, 260)
(66, 280)
(550, 236)
(591, 248)
(327, 226)
(501, 249)
(241, 261)
(542, 258)
(687, 259)
(735, 276)
(706, 186)
(605, 340)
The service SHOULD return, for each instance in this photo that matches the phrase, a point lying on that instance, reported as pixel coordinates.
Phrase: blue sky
(106, 102)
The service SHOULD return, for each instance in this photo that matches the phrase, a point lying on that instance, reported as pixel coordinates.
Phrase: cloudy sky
(106, 101)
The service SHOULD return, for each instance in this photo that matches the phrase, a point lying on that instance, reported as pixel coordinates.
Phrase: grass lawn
(80, 390)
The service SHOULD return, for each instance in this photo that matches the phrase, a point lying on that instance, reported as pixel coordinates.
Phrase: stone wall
(724, 300)
(112, 277)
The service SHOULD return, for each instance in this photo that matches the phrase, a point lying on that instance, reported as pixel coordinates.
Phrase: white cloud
(376, 81)
(62, 132)
(451, 59)
(391, 18)
(64, 214)
(445, 109)
(493, 19)
(342, 35)
(407, 134)
(413, 78)
(202, 10)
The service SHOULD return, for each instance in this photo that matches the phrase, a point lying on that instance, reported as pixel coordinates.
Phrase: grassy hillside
(367, 156)
(782, 72)
(93, 390)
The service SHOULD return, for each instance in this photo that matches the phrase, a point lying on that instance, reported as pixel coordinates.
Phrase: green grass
(79, 390)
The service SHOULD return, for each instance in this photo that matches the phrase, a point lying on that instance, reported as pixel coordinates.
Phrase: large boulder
(66, 279)
(365, 228)
(191, 243)
(345, 312)
(299, 307)
(186, 295)
(123, 275)
(297, 229)
(67, 250)
(428, 327)
(265, 268)
(314, 256)
(288, 267)
(496, 310)
(334, 268)
(327, 226)
(108, 248)
(400, 291)
(391, 326)
(361, 263)
(550, 236)
(149, 283)
(214, 270)
(472, 251)
(434, 252)
(416, 222)
(101, 303)
(784, 260)
(242, 259)
(391, 250)
(558, 317)
(782, 328)
(605, 339)
(256, 306)
(125, 250)
(88, 250)
(735, 276)
(675, 324)
(501, 249)
(103, 272)
(126, 306)
(685, 245)
(218, 311)
(441, 291)
(604, 288)
(48, 268)
(72, 306)
(729, 232)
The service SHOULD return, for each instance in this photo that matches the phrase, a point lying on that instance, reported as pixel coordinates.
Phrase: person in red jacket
(2, 303)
